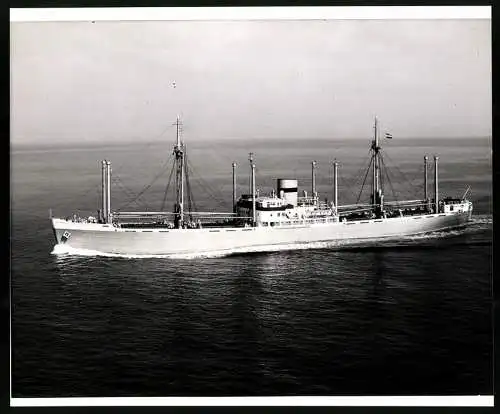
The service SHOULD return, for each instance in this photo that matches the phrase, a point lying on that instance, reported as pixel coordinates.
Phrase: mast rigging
(179, 178)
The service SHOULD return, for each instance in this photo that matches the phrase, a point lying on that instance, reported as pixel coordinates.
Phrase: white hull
(109, 239)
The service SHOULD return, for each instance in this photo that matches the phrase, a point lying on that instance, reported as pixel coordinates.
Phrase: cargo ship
(260, 222)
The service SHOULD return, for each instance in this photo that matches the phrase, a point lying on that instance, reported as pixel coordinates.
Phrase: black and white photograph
(251, 207)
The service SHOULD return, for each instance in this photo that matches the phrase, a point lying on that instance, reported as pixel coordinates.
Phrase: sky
(79, 82)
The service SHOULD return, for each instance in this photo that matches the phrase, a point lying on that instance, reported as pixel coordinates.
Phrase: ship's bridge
(266, 203)
(263, 203)
(271, 210)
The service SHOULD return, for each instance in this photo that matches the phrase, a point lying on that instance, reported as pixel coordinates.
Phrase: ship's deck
(169, 225)
(145, 221)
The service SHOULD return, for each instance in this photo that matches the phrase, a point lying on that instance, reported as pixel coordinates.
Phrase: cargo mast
(436, 185)
(313, 180)
(252, 182)
(426, 195)
(234, 186)
(104, 213)
(179, 177)
(335, 185)
(376, 191)
(106, 192)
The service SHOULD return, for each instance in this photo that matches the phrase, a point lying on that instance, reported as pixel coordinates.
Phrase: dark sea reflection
(396, 317)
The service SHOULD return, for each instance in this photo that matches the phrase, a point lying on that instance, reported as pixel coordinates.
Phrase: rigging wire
(188, 187)
(99, 195)
(217, 159)
(208, 189)
(361, 169)
(218, 193)
(130, 194)
(346, 184)
(141, 149)
(147, 187)
(403, 189)
(216, 200)
(355, 181)
(168, 186)
(120, 167)
(191, 203)
(381, 176)
(92, 187)
(416, 189)
(366, 175)
(389, 179)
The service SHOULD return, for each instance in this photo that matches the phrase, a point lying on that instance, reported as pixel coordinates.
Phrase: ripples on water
(397, 317)
(390, 317)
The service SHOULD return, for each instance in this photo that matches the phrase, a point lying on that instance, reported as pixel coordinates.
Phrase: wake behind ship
(260, 222)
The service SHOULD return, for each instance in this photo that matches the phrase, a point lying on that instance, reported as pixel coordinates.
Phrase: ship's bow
(59, 230)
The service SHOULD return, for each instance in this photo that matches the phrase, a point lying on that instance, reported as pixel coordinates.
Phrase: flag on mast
(388, 136)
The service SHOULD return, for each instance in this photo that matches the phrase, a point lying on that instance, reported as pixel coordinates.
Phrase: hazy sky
(83, 81)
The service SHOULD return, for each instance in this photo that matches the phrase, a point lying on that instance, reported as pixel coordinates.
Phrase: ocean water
(387, 317)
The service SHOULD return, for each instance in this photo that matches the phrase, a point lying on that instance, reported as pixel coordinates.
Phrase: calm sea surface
(408, 317)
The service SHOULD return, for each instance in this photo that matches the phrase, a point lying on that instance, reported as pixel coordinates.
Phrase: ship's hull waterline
(108, 239)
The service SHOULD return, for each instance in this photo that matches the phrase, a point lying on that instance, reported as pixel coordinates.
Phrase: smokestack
(234, 187)
(436, 185)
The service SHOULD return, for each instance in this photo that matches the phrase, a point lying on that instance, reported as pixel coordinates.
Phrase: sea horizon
(416, 141)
